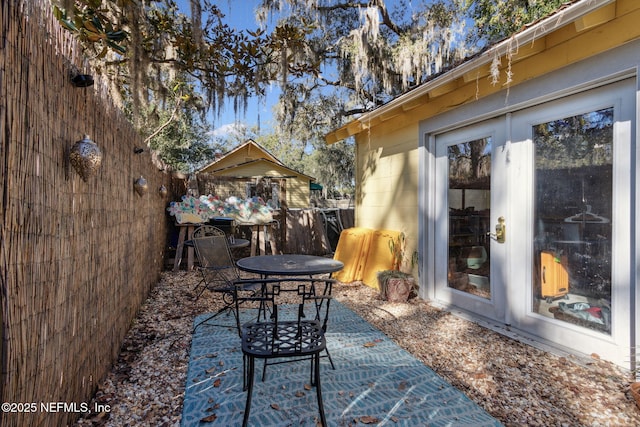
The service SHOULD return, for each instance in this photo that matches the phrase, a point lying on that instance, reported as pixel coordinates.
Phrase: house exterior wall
(298, 194)
(396, 144)
(387, 143)
(222, 187)
(230, 175)
(387, 173)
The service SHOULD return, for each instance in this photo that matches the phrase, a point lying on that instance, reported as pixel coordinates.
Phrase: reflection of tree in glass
(581, 140)
(470, 161)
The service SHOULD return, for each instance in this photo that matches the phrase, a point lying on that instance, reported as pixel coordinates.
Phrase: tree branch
(167, 123)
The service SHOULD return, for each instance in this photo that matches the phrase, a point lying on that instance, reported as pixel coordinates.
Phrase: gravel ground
(516, 383)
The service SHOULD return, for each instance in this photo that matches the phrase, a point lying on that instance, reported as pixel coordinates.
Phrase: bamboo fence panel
(77, 259)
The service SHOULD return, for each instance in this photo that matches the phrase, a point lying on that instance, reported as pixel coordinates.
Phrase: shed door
(469, 202)
(576, 182)
(562, 176)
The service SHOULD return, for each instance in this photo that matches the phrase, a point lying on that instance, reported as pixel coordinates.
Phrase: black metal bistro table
(289, 265)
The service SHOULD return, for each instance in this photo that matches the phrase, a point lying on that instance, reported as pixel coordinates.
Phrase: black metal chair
(219, 272)
(207, 231)
(297, 334)
(214, 258)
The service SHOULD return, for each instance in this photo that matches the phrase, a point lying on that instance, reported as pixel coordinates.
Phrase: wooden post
(284, 207)
(185, 230)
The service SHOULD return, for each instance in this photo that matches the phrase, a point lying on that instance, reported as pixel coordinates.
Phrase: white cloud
(236, 129)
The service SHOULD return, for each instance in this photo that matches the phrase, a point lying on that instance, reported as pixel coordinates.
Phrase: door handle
(501, 231)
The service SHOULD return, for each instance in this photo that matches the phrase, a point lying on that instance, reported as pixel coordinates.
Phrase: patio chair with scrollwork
(295, 330)
(207, 231)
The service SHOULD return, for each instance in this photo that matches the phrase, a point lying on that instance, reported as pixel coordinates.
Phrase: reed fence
(77, 259)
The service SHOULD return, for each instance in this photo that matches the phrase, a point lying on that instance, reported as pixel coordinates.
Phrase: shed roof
(247, 170)
(249, 143)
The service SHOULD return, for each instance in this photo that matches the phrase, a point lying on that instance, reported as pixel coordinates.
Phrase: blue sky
(240, 15)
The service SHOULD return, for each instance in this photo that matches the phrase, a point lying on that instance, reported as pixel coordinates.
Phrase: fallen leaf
(211, 418)
(369, 344)
(275, 406)
(369, 420)
(217, 382)
(307, 387)
(299, 393)
(402, 386)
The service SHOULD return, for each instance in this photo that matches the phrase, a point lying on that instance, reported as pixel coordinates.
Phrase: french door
(533, 220)
(470, 200)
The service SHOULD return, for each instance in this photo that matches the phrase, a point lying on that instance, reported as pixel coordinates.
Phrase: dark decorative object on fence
(82, 80)
(141, 186)
(85, 157)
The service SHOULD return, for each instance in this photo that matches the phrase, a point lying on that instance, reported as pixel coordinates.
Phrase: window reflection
(469, 199)
(573, 209)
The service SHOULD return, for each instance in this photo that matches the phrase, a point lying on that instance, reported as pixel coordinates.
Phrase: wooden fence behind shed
(77, 258)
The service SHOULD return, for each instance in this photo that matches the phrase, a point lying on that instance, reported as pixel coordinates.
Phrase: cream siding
(298, 193)
(387, 168)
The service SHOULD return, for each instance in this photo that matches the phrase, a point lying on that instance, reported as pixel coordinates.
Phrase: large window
(573, 212)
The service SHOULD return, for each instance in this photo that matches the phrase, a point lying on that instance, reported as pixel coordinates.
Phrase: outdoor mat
(375, 382)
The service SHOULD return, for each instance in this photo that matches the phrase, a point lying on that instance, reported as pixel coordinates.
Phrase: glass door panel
(469, 207)
(573, 219)
(469, 198)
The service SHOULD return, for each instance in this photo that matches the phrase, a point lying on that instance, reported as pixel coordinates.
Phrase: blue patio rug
(375, 382)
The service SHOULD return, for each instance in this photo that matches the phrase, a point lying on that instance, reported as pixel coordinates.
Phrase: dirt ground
(514, 382)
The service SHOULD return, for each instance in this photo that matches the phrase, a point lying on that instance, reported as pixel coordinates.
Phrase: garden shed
(514, 178)
(250, 170)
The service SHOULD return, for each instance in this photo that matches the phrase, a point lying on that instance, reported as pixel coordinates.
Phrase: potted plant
(396, 285)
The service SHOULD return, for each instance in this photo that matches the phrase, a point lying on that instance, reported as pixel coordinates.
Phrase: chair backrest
(290, 299)
(215, 257)
(207, 231)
